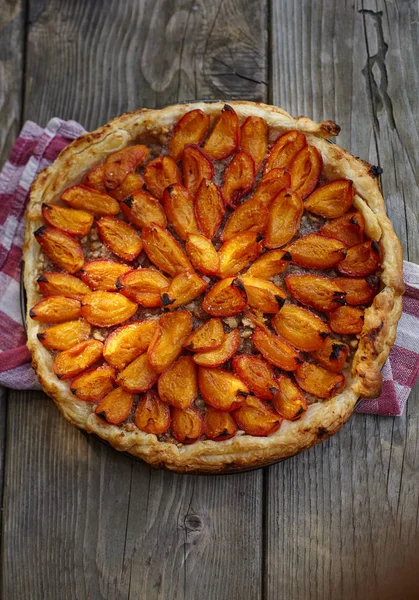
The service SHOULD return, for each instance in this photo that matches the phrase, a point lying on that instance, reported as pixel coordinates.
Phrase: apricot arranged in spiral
(116, 407)
(152, 415)
(62, 249)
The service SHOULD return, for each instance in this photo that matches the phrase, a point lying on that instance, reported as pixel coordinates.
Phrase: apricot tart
(210, 287)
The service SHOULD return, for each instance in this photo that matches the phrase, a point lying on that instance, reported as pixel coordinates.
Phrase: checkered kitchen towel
(34, 150)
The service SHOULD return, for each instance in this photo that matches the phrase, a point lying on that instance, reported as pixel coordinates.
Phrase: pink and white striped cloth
(34, 150)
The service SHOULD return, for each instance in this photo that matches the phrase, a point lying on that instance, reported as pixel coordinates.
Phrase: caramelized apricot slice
(196, 166)
(127, 342)
(144, 286)
(119, 237)
(187, 425)
(190, 129)
(105, 309)
(80, 357)
(65, 335)
(119, 164)
(202, 254)
(256, 373)
(183, 288)
(331, 200)
(152, 415)
(315, 251)
(289, 401)
(82, 197)
(168, 339)
(305, 171)
(318, 381)
(224, 299)
(239, 177)
(271, 184)
(347, 319)
(132, 183)
(237, 252)
(62, 284)
(71, 221)
(93, 385)
(56, 309)
(63, 250)
(254, 139)
(164, 251)
(95, 178)
(179, 206)
(361, 260)
(256, 418)
(358, 291)
(349, 229)
(269, 264)
(215, 358)
(263, 295)
(302, 328)
(284, 219)
(316, 291)
(138, 376)
(276, 350)
(116, 407)
(207, 337)
(250, 216)
(142, 210)
(102, 274)
(219, 425)
(159, 173)
(285, 149)
(209, 208)
(332, 356)
(178, 385)
(225, 137)
(221, 389)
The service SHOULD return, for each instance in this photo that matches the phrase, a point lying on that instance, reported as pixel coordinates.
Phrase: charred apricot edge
(202, 254)
(276, 350)
(159, 173)
(71, 221)
(315, 291)
(80, 357)
(179, 207)
(361, 260)
(164, 251)
(225, 137)
(116, 407)
(305, 171)
(127, 342)
(105, 309)
(256, 418)
(94, 384)
(82, 197)
(144, 286)
(56, 309)
(238, 251)
(221, 389)
(133, 182)
(254, 139)
(239, 177)
(331, 200)
(152, 415)
(314, 251)
(63, 250)
(249, 216)
(262, 295)
(302, 328)
(65, 335)
(142, 209)
(187, 425)
(256, 373)
(196, 166)
(138, 376)
(219, 425)
(102, 274)
(285, 149)
(347, 320)
(318, 381)
(119, 237)
(349, 229)
(209, 208)
(284, 219)
(215, 358)
(207, 337)
(62, 284)
(224, 299)
(269, 264)
(178, 385)
(119, 164)
(168, 339)
(332, 356)
(358, 291)
(190, 129)
(288, 400)
(183, 288)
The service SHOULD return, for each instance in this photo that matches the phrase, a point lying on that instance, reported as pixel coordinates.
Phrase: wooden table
(79, 520)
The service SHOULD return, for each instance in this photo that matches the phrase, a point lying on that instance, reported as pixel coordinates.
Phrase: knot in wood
(194, 523)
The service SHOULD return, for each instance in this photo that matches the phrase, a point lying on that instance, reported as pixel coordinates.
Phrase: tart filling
(224, 279)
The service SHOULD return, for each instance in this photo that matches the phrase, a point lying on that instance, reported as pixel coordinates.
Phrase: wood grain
(342, 518)
(82, 521)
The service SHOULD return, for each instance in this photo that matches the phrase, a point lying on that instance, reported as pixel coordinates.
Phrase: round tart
(211, 286)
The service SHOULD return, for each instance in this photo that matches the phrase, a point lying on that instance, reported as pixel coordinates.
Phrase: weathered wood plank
(342, 518)
(82, 521)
